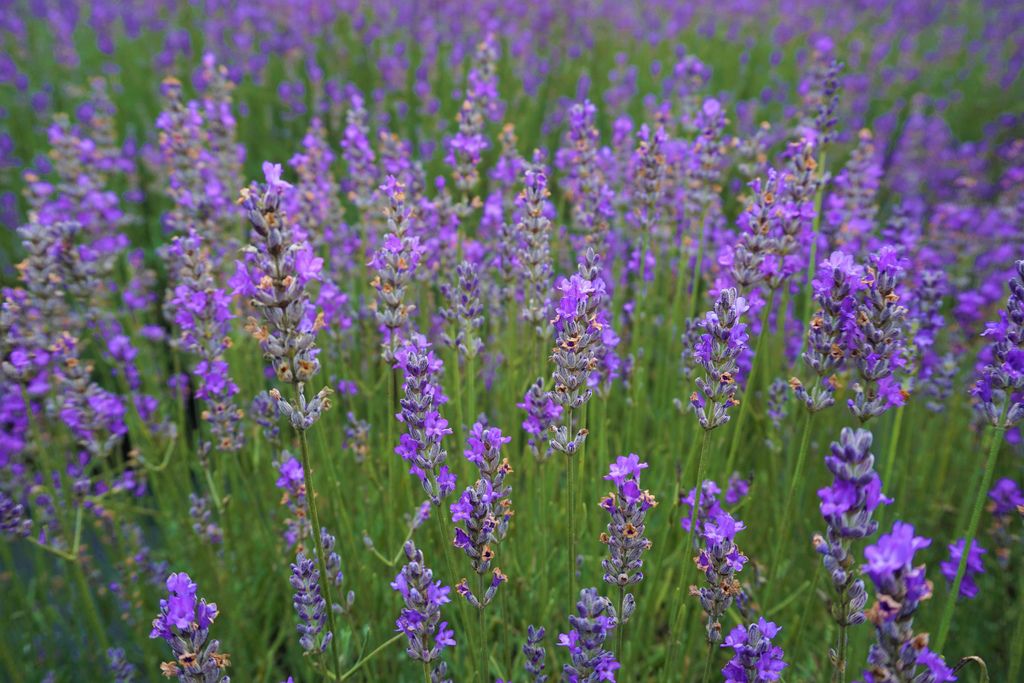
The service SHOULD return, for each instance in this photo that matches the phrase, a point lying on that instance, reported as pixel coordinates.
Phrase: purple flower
(184, 623)
(975, 566)
(420, 619)
(625, 536)
(1001, 381)
(755, 658)
(719, 560)
(717, 351)
(897, 653)
(484, 509)
(421, 445)
(594, 619)
(541, 413)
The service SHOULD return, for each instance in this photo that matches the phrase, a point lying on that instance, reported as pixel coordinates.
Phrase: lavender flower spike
(421, 445)
(275, 275)
(184, 623)
(1002, 379)
(394, 262)
(628, 506)
(595, 618)
(420, 619)
(719, 560)
(484, 511)
(717, 351)
(535, 654)
(898, 654)
(534, 255)
(847, 506)
(755, 658)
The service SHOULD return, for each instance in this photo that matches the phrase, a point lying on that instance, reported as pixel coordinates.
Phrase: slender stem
(844, 642)
(697, 267)
(972, 527)
(798, 632)
(708, 661)
(619, 629)
(426, 672)
(90, 605)
(1017, 649)
(784, 534)
(446, 545)
(481, 649)
(571, 547)
(890, 461)
(471, 385)
(812, 262)
(738, 432)
(676, 641)
(504, 628)
(316, 542)
(13, 670)
(390, 445)
(362, 662)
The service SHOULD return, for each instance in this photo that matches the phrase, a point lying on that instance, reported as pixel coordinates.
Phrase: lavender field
(546, 341)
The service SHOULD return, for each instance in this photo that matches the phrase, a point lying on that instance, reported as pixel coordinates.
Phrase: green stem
(481, 649)
(708, 661)
(621, 626)
(571, 547)
(738, 432)
(839, 674)
(389, 455)
(91, 609)
(784, 532)
(446, 545)
(676, 641)
(13, 670)
(890, 461)
(318, 546)
(697, 266)
(798, 632)
(362, 662)
(972, 528)
(1017, 649)
(812, 262)
(471, 394)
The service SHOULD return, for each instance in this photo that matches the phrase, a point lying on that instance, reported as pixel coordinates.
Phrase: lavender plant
(569, 184)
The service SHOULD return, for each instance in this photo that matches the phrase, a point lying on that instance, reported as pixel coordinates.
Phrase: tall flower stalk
(847, 506)
(577, 339)
(998, 393)
(626, 534)
(717, 350)
(274, 275)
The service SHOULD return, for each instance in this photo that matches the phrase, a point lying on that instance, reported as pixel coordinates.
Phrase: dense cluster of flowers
(595, 618)
(184, 623)
(274, 276)
(202, 312)
(847, 506)
(395, 263)
(626, 534)
(1001, 380)
(717, 351)
(420, 620)
(719, 560)
(484, 510)
(899, 654)
(421, 445)
(756, 659)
